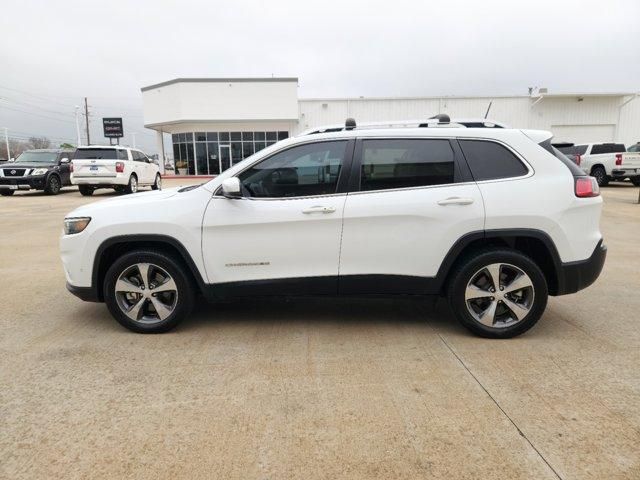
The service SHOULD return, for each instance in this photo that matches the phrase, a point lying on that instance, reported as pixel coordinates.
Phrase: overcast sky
(53, 53)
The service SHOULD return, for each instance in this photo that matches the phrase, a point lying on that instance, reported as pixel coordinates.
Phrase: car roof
(93, 147)
(49, 150)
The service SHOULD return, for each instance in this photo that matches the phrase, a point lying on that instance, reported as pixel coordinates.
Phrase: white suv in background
(123, 169)
(495, 219)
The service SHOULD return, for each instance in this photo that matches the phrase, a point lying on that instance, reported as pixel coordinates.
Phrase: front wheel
(498, 293)
(157, 185)
(53, 185)
(7, 193)
(600, 175)
(85, 190)
(148, 291)
(132, 186)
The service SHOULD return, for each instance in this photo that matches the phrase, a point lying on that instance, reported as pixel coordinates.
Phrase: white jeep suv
(495, 219)
(123, 169)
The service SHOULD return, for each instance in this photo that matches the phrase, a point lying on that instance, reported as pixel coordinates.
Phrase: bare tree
(39, 142)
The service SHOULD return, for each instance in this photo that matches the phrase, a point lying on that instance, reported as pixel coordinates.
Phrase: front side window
(491, 161)
(405, 163)
(306, 170)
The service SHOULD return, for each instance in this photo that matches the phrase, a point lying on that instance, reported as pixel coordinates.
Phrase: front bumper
(575, 276)
(22, 183)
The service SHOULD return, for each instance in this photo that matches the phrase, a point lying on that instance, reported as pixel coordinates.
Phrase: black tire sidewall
(602, 180)
(7, 193)
(471, 265)
(155, 183)
(85, 190)
(52, 180)
(174, 268)
(129, 187)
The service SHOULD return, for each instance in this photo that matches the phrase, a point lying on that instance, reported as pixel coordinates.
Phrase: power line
(38, 115)
(41, 97)
(30, 105)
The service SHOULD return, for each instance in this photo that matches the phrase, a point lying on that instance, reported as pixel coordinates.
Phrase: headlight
(39, 171)
(75, 224)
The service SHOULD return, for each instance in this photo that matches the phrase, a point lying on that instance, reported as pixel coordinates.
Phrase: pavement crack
(518, 429)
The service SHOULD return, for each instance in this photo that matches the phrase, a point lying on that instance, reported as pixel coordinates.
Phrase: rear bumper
(88, 294)
(625, 172)
(106, 180)
(575, 276)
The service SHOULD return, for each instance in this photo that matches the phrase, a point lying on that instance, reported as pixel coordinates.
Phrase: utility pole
(78, 141)
(86, 119)
(6, 140)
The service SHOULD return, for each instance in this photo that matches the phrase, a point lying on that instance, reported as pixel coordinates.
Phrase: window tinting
(95, 154)
(491, 161)
(607, 148)
(405, 163)
(305, 170)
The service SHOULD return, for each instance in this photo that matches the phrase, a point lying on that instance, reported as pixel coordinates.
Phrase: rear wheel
(157, 185)
(498, 293)
(132, 186)
(86, 190)
(600, 175)
(635, 181)
(7, 193)
(53, 185)
(148, 292)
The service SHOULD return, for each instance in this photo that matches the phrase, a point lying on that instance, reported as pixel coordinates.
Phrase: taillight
(578, 159)
(119, 167)
(587, 187)
(618, 159)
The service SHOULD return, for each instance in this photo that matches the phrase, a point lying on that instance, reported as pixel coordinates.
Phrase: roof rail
(440, 120)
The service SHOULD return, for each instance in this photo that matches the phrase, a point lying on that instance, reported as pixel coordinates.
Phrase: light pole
(6, 141)
(78, 142)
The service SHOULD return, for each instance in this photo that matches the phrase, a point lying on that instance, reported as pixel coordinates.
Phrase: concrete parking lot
(313, 389)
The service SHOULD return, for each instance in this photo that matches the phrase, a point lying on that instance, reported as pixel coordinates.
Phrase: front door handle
(455, 201)
(319, 209)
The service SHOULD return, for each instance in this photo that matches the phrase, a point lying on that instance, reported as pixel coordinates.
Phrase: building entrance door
(224, 157)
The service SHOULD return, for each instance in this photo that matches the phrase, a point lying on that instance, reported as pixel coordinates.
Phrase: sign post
(112, 128)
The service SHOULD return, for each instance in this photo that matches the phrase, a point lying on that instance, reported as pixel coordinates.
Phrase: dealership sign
(112, 127)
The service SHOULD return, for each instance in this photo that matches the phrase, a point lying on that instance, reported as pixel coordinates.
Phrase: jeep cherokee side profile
(495, 219)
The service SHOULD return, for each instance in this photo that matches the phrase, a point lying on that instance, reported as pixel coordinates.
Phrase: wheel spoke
(124, 285)
(487, 317)
(162, 310)
(520, 311)
(134, 311)
(472, 292)
(143, 268)
(522, 281)
(494, 273)
(167, 286)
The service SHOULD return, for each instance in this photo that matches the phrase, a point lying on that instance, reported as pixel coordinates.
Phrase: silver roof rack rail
(441, 121)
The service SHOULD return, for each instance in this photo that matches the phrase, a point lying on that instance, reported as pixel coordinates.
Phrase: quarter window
(405, 163)
(305, 170)
(122, 154)
(491, 161)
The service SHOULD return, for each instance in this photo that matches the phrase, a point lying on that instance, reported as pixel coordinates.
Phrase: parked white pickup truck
(606, 161)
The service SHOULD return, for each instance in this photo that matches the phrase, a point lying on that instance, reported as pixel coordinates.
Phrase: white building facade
(216, 122)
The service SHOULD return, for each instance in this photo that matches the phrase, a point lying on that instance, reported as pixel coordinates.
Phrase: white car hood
(124, 201)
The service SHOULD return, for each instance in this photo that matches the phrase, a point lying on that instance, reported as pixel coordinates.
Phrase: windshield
(37, 157)
(95, 154)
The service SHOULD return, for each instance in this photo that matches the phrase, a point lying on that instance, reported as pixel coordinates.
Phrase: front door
(283, 236)
(224, 157)
(414, 202)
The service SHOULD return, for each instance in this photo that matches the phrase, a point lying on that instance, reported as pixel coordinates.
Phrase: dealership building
(216, 122)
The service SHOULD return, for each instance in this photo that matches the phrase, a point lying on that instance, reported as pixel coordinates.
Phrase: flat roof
(463, 97)
(220, 80)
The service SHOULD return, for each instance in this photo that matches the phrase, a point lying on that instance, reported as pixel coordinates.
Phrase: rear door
(411, 200)
(95, 162)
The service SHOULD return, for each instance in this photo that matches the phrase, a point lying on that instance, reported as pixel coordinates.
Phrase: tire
(175, 304)
(86, 190)
(53, 185)
(119, 188)
(528, 303)
(157, 185)
(132, 186)
(7, 193)
(635, 181)
(600, 175)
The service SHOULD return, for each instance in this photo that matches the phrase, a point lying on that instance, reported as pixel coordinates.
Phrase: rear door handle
(319, 209)
(455, 201)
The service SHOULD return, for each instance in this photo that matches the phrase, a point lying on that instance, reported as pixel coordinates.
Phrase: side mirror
(231, 188)
(64, 160)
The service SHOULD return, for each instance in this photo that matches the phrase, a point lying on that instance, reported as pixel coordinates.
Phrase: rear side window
(405, 163)
(95, 154)
(491, 161)
(607, 148)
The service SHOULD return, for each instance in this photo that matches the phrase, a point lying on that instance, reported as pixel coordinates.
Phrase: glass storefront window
(272, 136)
(259, 136)
(212, 158)
(224, 136)
(201, 137)
(201, 159)
(247, 136)
(236, 136)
